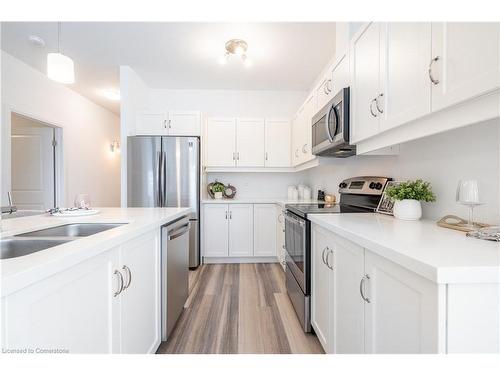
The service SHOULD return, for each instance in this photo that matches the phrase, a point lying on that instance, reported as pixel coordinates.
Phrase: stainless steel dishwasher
(174, 273)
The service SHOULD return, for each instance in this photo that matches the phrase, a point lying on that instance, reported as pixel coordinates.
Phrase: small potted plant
(407, 197)
(218, 188)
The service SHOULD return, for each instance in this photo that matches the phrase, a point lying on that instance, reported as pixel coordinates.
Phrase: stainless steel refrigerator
(165, 172)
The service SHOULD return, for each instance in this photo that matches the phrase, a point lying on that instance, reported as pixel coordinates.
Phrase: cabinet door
(340, 74)
(348, 332)
(186, 123)
(264, 232)
(402, 315)
(140, 298)
(73, 310)
(365, 70)
(250, 142)
(468, 60)
(295, 139)
(323, 92)
(151, 123)
(320, 283)
(241, 230)
(277, 141)
(216, 230)
(306, 132)
(405, 54)
(221, 142)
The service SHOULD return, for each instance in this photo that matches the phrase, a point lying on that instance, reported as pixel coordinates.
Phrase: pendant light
(60, 68)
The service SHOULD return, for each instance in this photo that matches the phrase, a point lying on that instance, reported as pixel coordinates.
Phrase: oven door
(298, 249)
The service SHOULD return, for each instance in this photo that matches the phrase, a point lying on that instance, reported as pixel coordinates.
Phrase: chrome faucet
(10, 209)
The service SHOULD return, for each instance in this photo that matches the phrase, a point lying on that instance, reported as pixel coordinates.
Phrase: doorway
(34, 154)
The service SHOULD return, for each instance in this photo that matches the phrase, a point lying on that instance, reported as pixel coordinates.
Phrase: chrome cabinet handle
(296, 152)
(362, 287)
(328, 88)
(304, 149)
(129, 277)
(323, 255)
(226, 215)
(120, 283)
(266, 155)
(170, 124)
(165, 124)
(325, 89)
(230, 215)
(330, 251)
(376, 103)
(371, 107)
(431, 77)
(237, 156)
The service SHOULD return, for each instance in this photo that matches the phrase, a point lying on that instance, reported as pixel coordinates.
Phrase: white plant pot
(407, 209)
(218, 195)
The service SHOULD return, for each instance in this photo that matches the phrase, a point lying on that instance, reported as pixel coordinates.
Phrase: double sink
(31, 242)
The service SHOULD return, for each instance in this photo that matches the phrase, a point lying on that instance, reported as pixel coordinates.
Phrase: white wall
(443, 159)
(88, 165)
(229, 102)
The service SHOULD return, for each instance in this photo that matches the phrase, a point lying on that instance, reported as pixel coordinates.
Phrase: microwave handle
(328, 133)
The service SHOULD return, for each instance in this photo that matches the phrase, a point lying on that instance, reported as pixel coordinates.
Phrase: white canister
(301, 191)
(307, 193)
(291, 189)
(295, 195)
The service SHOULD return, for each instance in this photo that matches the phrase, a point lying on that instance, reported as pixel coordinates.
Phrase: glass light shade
(60, 68)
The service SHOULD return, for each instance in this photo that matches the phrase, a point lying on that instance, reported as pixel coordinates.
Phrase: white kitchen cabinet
(402, 313)
(140, 299)
(323, 91)
(307, 130)
(221, 142)
(277, 143)
(182, 123)
(465, 61)
(348, 331)
(365, 83)
(340, 73)
(241, 232)
(264, 234)
(322, 285)
(152, 123)
(73, 310)
(404, 85)
(296, 138)
(250, 148)
(216, 230)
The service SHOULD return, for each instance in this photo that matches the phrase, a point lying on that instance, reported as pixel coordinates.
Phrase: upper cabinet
(402, 72)
(182, 123)
(247, 142)
(335, 79)
(302, 132)
(465, 61)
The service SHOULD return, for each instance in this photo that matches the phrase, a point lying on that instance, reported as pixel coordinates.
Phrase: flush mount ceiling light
(111, 94)
(36, 41)
(60, 68)
(236, 47)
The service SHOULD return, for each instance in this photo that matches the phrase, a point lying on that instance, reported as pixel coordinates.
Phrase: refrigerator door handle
(158, 176)
(164, 178)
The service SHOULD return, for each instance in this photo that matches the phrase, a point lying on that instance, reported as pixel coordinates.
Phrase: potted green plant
(218, 188)
(407, 196)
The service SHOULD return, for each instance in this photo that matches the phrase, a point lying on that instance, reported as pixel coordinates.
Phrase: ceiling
(285, 56)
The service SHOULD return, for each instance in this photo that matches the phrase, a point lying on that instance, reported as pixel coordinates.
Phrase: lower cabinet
(363, 303)
(239, 230)
(97, 306)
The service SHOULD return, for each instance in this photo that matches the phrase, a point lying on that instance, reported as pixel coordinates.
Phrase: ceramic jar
(407, 209)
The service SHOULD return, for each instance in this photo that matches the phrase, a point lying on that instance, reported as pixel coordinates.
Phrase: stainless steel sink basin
(72, 230)
(13, 248)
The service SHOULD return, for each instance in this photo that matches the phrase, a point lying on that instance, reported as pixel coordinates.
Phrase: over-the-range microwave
(330, 128)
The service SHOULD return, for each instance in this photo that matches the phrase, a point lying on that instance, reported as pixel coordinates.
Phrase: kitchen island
(94, 294)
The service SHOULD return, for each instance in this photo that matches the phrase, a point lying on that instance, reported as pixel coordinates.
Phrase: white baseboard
(222, 260)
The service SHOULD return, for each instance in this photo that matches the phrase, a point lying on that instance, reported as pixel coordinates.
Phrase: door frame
(59, 177)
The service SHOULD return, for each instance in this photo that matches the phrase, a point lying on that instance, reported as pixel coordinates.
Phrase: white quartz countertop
(17, 273)
(280, 201)
(439, 254)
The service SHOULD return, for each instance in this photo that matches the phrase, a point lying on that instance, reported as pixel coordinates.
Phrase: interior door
(180, 187)
(221, 142)
(468, 60)
(143, 167)
(140, 299)
(250, 135)
(241, 230)
(365, 70)
(32, 165)
(277, 143)
(405, 54)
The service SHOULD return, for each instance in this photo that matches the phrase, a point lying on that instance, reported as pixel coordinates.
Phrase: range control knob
(372, 185)
(342, 185)
(378, 186)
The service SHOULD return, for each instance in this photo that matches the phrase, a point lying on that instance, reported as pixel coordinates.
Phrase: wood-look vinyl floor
(239, 308)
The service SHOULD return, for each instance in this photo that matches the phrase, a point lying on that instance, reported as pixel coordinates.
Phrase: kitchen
(237, 202)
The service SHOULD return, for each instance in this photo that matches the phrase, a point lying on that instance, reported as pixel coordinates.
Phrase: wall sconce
(114, 146)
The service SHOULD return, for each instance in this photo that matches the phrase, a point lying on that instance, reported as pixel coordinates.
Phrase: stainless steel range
(357, 195)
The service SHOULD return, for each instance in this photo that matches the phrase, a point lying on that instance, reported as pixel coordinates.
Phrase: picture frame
(385, 205)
